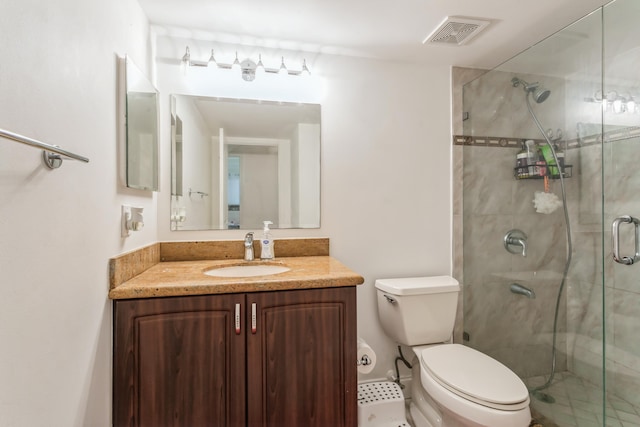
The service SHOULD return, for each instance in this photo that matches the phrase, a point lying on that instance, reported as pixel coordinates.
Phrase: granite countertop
(178, 278)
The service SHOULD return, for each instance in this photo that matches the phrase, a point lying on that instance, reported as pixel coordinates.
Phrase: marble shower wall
(488, 202)
(496, 108)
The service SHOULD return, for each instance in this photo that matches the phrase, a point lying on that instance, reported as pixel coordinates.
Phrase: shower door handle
(615, 233)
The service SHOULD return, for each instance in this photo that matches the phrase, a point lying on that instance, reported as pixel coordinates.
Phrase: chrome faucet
(248, 247)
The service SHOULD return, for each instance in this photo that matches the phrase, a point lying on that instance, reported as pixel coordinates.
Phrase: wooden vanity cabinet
(180, 361)
(301, 359)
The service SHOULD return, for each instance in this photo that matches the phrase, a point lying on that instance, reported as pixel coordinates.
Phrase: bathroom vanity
(197, 350)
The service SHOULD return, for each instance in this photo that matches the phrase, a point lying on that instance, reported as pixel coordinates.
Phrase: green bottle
(547, 153)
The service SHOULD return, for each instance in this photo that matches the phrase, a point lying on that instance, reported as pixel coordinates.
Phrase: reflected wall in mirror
(141, 129)
(236, 163)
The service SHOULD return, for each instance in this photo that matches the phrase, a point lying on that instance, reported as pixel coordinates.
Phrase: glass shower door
(621, 211)
(572, 334)
(539, 313)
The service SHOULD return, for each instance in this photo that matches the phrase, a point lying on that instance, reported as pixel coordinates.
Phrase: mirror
(141, 129)
(236, 163)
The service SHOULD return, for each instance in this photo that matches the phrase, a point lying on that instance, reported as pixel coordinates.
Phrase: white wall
(385, 163)
(385, 195)
(59, 228)
(306, 194)
(198, 149)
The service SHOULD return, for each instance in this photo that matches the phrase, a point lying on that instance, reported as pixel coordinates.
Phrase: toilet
(453, 385)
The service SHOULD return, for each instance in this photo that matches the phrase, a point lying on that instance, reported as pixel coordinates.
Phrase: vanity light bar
(248, 68)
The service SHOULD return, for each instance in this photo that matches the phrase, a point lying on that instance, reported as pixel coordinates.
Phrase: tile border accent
(488, 141)
(510, 142)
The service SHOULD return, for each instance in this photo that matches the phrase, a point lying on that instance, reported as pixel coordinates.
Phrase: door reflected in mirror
(236, 163)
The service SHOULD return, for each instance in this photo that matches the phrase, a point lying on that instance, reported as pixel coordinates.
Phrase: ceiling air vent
(456, 31)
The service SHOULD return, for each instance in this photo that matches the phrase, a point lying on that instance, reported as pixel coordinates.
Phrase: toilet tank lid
(418, 285)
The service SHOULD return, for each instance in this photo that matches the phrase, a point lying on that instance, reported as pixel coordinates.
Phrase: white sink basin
(247, 270)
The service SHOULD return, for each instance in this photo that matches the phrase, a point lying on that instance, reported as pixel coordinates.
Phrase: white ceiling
(383, 29)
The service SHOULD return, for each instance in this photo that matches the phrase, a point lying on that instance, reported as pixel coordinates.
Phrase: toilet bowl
(453, 385)
(468, 388)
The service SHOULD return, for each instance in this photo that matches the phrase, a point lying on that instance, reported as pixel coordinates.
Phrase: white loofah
(546, 202)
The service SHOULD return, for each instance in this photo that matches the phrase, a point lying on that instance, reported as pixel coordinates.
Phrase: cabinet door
(301, 359)
(179, 362)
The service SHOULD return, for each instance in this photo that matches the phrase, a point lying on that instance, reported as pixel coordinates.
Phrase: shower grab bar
(51, 154)
(615, 233)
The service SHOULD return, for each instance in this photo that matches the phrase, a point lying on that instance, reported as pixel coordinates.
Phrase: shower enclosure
(565, 317)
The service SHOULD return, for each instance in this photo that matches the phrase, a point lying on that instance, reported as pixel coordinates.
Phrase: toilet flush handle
(389, 299)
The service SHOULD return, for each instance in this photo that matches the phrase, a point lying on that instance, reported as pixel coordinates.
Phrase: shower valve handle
(516, 238)
(615, 234)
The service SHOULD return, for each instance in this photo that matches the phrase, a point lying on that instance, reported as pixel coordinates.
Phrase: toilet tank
(418, 310)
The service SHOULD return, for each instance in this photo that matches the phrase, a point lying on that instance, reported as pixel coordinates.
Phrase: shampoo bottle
(532, 157)
(547, 153)
(266, 242)
(522, 171)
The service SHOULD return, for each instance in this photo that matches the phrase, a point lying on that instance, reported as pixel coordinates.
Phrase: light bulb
(631, 106)
(186, 61)
(259, 66)
(617, 106)
(283, 70)
(236, 65)
(212, 60)
(305, 70)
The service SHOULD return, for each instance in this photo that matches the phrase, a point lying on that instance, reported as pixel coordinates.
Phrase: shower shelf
(519, 172)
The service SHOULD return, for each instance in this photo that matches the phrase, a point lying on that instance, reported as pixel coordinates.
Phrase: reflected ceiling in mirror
(236, 163)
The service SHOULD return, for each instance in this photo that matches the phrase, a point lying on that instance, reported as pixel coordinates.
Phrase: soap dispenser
(266, 242)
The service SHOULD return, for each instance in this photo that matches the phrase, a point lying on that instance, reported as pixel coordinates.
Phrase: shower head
(539, 93)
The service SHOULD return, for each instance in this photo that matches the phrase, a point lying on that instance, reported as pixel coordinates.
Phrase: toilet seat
(474, 376)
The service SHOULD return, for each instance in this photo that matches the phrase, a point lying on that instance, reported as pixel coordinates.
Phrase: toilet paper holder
(364, 361)
(365, 357)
